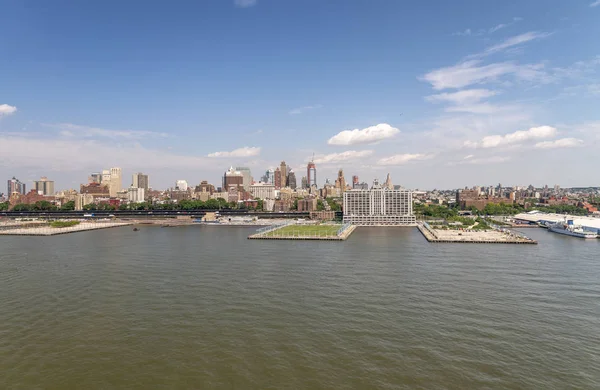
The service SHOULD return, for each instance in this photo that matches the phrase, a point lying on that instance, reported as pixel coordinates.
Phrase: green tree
(22, 207)
(320, 205)
(4, 206)
(68, 206)
(335, 206)
(212, 204)
(43, 205)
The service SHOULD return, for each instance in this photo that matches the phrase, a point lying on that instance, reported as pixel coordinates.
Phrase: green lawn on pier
(305, 231)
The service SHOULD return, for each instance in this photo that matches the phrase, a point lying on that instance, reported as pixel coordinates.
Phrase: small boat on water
(135, 229)
(568, 228)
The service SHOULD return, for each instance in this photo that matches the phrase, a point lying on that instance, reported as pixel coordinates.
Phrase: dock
(472, 236)
(293, 231)
(39, 229)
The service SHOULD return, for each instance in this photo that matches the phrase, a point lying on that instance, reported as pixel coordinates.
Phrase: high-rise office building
(15, 185)
(245, 171)
(105, 177)
(340, 182)
(139, 180)
(44, 186)
(115, 185)
(277, 178)
(284, 172)
(311, 174)
(291, 180)
(304, 182)
(232, 178)
(388, 182)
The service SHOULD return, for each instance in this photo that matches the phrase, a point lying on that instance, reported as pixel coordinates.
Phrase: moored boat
(567, 228)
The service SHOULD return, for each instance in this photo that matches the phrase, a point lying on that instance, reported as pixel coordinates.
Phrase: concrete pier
(28, 230)
(302, 232)
(472, 236)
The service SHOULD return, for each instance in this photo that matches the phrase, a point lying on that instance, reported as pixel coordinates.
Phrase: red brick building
(29, 198)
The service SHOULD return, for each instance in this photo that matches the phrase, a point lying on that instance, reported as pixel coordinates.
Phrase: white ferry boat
(569, 229)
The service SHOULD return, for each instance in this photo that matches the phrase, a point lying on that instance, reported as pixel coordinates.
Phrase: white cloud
(468, 157)
(5, 109)
(488, 160)
(343, 156)
(494, 141)
(369, 135)
(469, 73)
(498, 27)
(595, 3)
(469, 32)
(245, 3)
(301, 110)
(78, 131)
(515, 41)
(246, 151)
(480, 108)
(465, 33)
(504, 25)
(462, 97)
(468, 101)
(400, 159)
(559, 143)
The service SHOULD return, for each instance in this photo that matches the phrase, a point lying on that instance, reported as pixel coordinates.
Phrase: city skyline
(439, 100)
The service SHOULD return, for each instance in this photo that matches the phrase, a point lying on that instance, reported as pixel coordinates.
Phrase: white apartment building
(136, 195)
(379, 207)
(263, 190)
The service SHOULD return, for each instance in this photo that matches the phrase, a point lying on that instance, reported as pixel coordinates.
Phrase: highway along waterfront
(206, 308)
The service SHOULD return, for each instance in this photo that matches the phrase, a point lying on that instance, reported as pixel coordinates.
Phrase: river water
(202, 307)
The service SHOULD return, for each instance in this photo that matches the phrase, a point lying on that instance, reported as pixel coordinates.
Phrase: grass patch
(305, 231)
(63, 224)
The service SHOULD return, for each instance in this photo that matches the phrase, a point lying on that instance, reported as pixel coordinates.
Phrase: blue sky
(440, 94)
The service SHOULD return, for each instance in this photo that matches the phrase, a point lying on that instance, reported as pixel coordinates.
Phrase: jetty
(462, 236)
(45, 229)
(295, 231)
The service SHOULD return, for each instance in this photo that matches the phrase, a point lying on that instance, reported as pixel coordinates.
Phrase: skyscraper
(115, 185)
(354, 180)
(340, 182)
(233, 178)
(284, 172)
(291, 180)
(311, 174)
(277, 178)
(304, 182)
(44, 186)
(139, 180)
(15, 185)
(388, 183)
(245, 171)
